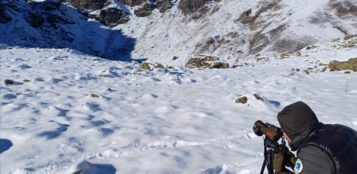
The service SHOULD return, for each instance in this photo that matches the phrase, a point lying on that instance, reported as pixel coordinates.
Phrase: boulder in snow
(350, 64)
(242, 100)
(204, 62)
(150, 66)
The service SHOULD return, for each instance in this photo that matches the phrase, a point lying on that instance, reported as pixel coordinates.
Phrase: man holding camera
(321, 148)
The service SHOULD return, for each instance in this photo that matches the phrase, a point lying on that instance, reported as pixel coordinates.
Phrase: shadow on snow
(86, 167)
(5, 145)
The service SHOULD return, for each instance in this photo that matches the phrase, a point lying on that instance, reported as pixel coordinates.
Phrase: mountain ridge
(228, 29)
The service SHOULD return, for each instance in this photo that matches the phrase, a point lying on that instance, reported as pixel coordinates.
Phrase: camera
(270, 131)
(271, 142)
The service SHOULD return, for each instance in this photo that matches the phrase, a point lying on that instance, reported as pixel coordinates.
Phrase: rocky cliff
(54, 24)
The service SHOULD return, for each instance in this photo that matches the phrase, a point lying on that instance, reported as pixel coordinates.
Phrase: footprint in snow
(9, 96)
(4, 103)
(75, 143)
(98, 123)
(90, 117)
(56, 80)
(94, 107)
(217, 170)
(180, 162)
(24, 67)
(86, 167)
(20, 60)
(54, 133)
(39, 79)
(106, 131)
(62, 112)
(5, 145)
(113, 73)
(86, 77)
(19, 106)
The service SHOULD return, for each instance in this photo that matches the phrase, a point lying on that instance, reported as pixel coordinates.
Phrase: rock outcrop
(112, 17)
(132, 2)
(344, 8)
(150, 66)
(206, 62)
(107, 16)
(163, 5)
(242, 100)
(350, 64)
(145, 10)
(88, 5)
(190, 6)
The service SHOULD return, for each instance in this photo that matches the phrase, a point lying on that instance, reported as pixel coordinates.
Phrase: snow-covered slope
(239, 29)
(229, 29)
(69, 112)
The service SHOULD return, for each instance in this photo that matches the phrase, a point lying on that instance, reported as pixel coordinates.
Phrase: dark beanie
(297, 121)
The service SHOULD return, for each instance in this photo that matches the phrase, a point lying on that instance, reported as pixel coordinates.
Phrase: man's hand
(283, 157)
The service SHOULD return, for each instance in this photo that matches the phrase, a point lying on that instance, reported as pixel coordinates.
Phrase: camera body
(272, 132)
(271, 142)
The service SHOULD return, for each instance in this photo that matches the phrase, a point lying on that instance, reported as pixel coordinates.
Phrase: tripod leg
(263, 167)
(265, 161)
(270, 162)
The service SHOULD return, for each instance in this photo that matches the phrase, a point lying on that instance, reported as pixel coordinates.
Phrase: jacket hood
(297, 121)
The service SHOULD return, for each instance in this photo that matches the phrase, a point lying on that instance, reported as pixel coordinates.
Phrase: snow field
(76, 112)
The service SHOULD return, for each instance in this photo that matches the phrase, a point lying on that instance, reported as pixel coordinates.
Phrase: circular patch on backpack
(298, 166)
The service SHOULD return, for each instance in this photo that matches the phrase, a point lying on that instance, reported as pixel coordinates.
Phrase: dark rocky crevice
(4, 17)
(112, 17)
(88, 5)
(132, 3)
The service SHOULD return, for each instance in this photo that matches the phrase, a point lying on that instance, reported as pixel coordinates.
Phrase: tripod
(269, 148)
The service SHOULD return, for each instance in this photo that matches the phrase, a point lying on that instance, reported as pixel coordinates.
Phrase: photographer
(321, 148)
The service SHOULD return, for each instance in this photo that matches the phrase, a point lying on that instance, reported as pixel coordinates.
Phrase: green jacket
(315, 161)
